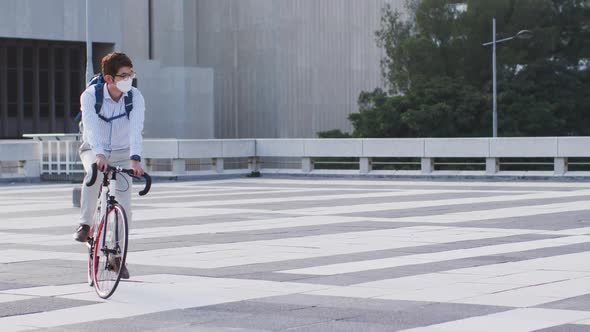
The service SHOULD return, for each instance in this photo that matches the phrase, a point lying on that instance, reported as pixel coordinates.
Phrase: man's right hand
(101, 162)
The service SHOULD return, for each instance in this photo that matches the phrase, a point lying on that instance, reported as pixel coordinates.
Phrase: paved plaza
(309, 254)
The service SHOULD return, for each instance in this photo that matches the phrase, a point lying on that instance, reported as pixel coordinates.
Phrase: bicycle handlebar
(94, 174)
(146, 176)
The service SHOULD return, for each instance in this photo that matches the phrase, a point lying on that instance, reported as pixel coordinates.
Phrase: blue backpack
(98, 82)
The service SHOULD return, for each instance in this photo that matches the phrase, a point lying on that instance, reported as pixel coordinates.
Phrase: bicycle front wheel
(110, 251)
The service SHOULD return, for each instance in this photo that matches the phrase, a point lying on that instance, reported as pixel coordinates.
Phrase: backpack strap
(99, 94)
(129, 103)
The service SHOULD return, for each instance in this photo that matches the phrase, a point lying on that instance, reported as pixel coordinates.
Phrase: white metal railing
(57, 154)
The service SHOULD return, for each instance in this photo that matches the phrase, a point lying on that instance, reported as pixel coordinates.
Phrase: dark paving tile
(429, 314)
(548, 252)
(266, 322)
(465, 207)
(343, 326)
(553, 221)
(253, 307)
(11, 285)
(174, 320)
(40, 304)
(573, 303)
(342, 302)
(270, 276)
(567, 328)
(298, 309)
(44, 272)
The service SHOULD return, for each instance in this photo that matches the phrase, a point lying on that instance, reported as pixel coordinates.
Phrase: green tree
(438, 76)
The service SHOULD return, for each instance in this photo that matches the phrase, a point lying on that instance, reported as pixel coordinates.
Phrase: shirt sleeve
(90, 122)
(136, 118)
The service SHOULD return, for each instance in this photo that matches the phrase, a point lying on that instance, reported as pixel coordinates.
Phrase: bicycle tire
(90, 278)
(105, 280)
(90, 244)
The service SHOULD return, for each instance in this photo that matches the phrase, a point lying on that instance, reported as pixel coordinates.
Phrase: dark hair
(112, 62)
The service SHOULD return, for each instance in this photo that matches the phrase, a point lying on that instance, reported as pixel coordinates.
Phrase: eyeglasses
(126, 76)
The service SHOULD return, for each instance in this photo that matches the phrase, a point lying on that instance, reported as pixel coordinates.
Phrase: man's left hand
(136, 167)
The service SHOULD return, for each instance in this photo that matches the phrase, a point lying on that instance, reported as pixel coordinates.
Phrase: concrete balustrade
(425, 151)
(25, 154)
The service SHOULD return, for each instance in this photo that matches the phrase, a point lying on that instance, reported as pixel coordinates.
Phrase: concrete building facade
(207, 68)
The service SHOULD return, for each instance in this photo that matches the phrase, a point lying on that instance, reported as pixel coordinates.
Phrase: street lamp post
(89, 67)
(523, 34)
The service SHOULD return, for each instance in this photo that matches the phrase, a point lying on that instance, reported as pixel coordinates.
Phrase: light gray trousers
(89, 198)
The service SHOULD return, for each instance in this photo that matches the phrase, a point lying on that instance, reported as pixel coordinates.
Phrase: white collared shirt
(118, 134)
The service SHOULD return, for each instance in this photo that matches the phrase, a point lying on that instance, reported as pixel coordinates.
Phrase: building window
(40, 86)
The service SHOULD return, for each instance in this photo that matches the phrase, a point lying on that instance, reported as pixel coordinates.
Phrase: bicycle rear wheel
(110, 251)
(90, 261)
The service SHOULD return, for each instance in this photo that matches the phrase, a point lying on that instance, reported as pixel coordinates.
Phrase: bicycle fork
(108, 201)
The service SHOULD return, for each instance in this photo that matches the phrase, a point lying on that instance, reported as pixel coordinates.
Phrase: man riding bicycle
(112, 120)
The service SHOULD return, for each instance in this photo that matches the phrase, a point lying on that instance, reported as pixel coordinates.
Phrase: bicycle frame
(107, 199)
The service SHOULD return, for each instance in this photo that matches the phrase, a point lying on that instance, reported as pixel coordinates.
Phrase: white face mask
(124, 85)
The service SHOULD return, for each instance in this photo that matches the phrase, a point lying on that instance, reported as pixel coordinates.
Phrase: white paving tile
(447, 293)
(21, 255)
(53, 206)
(13, 297)
(51, 290)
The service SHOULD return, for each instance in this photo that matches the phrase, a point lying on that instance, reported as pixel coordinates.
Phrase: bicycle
(107, 249)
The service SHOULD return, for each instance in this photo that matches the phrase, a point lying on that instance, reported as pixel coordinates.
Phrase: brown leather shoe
(114, 264)
(82, 233)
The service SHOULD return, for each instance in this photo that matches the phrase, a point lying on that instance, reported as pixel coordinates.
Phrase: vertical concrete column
(365, 165)
(427, 165)
(178, 166)
(148, 164)
(306, 165)
(560, 166)
(29, 168)
(253, 164)
(218, 165)
(492, 166)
